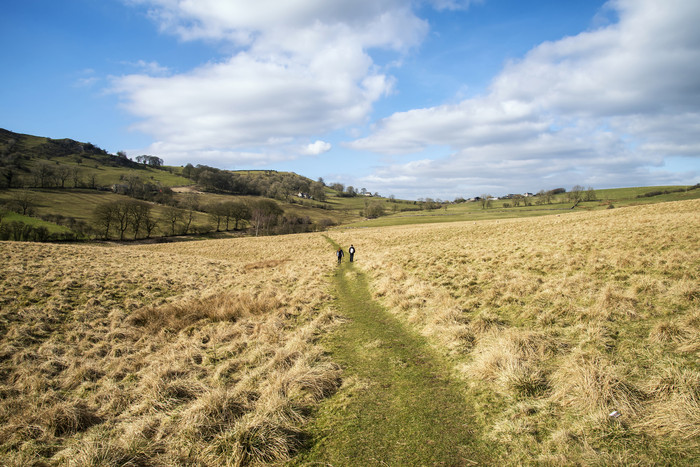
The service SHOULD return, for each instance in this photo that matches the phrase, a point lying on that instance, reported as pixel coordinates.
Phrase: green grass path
(399, 404)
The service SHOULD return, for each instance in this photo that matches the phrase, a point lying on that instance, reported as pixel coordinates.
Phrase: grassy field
(239, 351)
(161, 356)
(107, 176)
(559, 321)
(473, 211)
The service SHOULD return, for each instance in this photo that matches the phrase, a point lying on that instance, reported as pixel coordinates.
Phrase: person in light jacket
(352, 252)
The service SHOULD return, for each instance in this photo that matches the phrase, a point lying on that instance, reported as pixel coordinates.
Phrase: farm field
(221, 352)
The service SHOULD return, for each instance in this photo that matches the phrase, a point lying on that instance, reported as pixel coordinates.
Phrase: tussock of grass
(221, 306)
(676, 408)
(512, 360)
(591, 383)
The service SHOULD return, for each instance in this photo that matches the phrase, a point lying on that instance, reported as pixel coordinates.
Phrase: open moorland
(517, 337)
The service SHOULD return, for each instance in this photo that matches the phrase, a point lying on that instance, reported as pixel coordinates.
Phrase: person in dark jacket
(340, 255)
(352, 252)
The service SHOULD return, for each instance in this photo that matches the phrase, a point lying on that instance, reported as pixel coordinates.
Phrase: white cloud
(600, 107)
(302, 68)
(316, 148)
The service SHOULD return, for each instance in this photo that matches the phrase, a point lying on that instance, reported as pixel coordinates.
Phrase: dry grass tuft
(512, 361)
(222, 306)
(667, 332)
(676, 407)
(590, 382)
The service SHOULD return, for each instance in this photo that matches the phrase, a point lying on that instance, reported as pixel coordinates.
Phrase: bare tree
(103, 216)
(150, 223)
(239, 212)
(42, 173)
(217, 212)
(62, 173)
(590, 194)
(486, 201)
(172, 216)
(191, 204)
(121, 216)
(265, 214)
(24, 200)
(576, 193)
(92, 180)
(75, 175)
(137, 212)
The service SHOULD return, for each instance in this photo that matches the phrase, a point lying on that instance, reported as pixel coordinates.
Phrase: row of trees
(134, 219)
(126, 215)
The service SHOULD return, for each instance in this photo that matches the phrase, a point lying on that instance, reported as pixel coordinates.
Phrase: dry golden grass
(200, 354)
(206, 353)
(563, 319)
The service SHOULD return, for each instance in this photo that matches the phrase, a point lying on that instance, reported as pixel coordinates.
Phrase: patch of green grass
(399, 404)
(108, 175)
(8, 217)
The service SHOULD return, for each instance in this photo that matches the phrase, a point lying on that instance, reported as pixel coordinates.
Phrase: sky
(412, 98)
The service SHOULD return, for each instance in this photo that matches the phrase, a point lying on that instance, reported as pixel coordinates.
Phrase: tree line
(136, 219)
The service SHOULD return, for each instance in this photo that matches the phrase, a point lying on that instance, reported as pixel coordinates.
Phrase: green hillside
(39, 162)
(64, 182)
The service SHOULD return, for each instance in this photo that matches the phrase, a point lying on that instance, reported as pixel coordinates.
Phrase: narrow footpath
(398, 404)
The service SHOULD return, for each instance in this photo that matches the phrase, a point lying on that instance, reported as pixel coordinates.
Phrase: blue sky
(423, 98)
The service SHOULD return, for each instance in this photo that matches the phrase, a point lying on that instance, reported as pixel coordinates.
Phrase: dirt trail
(399, 404)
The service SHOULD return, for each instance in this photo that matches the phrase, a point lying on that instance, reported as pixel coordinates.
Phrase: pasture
(221, 352)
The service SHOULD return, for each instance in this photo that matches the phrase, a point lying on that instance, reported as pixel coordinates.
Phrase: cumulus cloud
(603, 106)
(300, 68)
(316, 148)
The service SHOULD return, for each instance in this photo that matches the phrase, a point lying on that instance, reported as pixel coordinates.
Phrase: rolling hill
(65, 182)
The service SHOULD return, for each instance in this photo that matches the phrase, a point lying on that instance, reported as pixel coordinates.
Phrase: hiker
(340, 255)
(352, 252)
